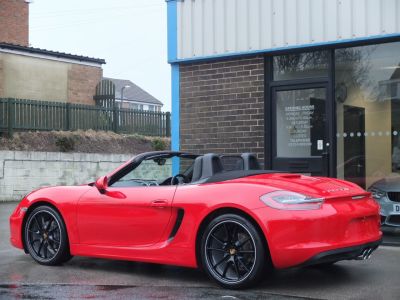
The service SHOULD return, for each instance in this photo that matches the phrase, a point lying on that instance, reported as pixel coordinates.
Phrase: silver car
(387, 192)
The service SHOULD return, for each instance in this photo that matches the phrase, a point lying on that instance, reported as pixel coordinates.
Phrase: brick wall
(14, 22)
(82, 81)
(222, 106)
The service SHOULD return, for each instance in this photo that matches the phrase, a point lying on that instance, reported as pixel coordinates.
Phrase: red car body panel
(136, 223)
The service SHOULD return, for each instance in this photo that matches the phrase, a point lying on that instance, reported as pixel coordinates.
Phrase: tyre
(45, 236)
(232, 252)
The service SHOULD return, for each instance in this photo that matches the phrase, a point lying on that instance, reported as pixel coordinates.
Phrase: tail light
(286, 200)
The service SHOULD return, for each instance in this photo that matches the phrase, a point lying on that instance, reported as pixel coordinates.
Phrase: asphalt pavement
(82, 278)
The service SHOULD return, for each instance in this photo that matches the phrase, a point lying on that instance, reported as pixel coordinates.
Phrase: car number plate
(396, 209)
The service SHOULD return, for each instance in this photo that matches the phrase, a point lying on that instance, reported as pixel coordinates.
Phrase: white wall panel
(278, 23)
(254, 30)
(242, 20)
(198, 28)
(210, 27)
(317, 14)
(359, 18)
(230, 26)
(331, 21)
(345, 21)
(220, 25)
(304, 23)
(373, 17)
(266, 27)
(291, 22)
(389, 16)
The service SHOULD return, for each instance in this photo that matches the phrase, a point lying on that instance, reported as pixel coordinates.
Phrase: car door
(124, 216)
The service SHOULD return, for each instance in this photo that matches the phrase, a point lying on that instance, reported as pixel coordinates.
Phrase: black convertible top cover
(229, 175)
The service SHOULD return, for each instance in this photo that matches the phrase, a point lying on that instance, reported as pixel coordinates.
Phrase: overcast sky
(131, 35)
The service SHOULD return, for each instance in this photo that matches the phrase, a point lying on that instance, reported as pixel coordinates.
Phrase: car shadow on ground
(296, 278)
(309, 277)
(156, 271)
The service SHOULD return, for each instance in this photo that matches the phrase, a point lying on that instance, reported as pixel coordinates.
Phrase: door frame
(314, 164)
(269, 115)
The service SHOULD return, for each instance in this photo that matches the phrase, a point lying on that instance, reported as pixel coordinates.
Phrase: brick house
(130, 95)
(38, 74)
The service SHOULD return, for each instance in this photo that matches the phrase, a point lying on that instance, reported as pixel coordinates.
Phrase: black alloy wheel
(233, 252)
(45, 236)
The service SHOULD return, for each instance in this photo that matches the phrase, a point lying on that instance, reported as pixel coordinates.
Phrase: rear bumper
(338, 227)
(360, 252)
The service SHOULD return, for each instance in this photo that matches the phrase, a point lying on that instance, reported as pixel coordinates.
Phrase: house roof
(133, 93)
(55, 54)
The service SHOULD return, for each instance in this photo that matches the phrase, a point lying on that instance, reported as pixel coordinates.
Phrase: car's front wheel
(45, 236)
(232, 252)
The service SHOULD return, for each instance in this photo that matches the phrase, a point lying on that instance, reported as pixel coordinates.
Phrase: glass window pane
(300, 122)
(368, 110)
(300, 66)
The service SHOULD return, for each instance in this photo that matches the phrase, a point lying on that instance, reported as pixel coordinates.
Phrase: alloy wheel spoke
(242, 243)
(45, 250)
(234, 233)
(40, 247)
(235, 266)
(245, 251)
(49, 224)
(51, 249)
(52, 230)
(228, 237)
(34, 231)
(217, 239)
(37, 223)
(239, 259)
(34, 241)
(226, 269)
(53, 240)
(221, 261)
(43, 223)
(216, 249)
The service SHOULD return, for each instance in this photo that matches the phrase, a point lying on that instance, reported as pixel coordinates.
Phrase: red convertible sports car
(220, 213)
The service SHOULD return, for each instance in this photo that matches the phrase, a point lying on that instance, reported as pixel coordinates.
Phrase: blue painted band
(344, 42)
(175, 115)
(172, 30)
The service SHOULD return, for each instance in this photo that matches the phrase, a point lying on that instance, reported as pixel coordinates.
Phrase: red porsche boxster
(221, 213)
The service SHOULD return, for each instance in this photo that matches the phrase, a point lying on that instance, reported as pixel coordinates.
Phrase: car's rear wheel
(232, 252)
(45, 236)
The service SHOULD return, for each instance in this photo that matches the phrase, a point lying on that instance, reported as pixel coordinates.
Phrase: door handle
(160, 203)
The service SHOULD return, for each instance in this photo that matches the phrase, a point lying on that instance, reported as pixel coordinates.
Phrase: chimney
(14, 22)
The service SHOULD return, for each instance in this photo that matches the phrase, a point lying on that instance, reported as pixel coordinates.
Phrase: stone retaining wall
(23, 171)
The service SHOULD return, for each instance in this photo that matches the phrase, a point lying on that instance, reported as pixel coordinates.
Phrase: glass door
(300, 129)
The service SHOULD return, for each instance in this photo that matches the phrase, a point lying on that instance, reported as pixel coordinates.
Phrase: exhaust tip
(370, 252)
(365, 254)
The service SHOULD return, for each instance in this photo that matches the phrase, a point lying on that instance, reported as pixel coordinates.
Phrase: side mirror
(102, 184)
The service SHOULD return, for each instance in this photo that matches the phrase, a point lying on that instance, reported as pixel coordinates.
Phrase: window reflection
(302, 65)
(368, 105)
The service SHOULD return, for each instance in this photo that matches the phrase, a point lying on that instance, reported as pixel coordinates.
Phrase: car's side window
(149, 173)
(152, 170)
